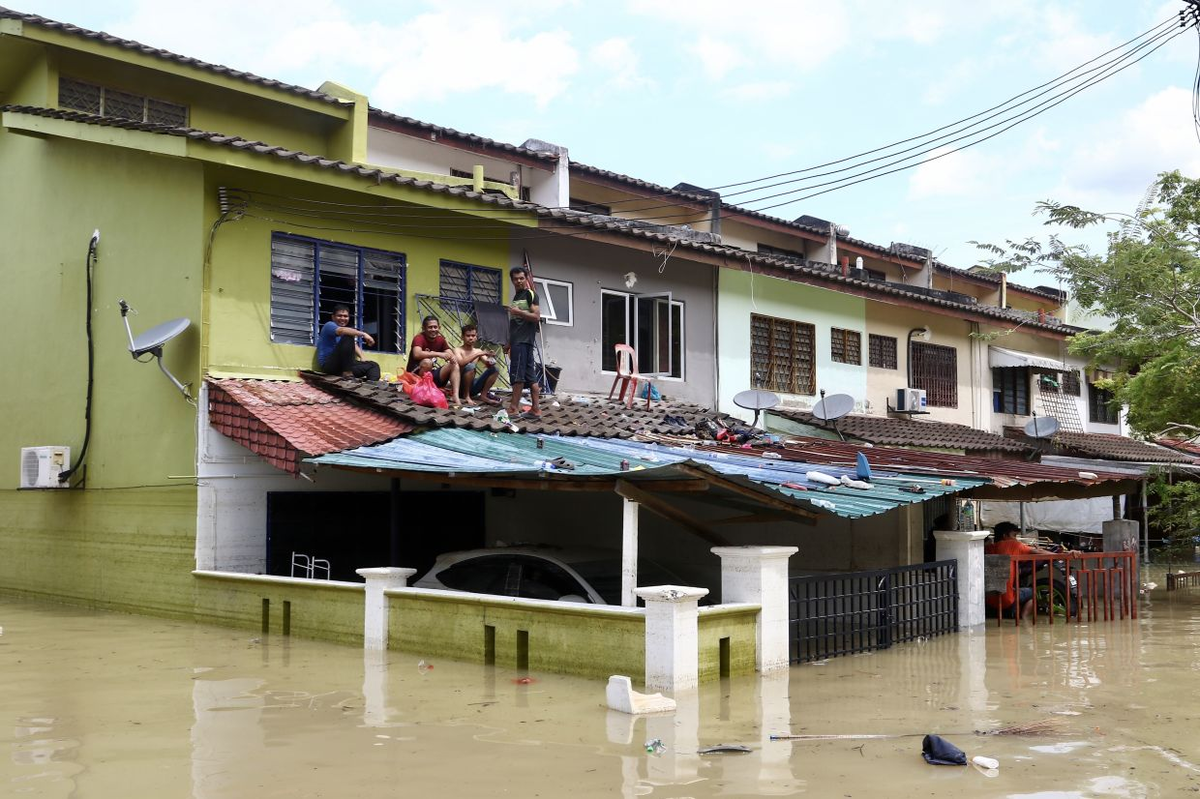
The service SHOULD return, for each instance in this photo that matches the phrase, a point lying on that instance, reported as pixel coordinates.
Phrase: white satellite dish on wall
(152, 341)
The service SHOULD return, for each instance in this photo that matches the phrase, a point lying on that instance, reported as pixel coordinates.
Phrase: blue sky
(717, 93)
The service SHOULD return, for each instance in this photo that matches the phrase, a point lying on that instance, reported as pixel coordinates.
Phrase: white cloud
(717, 57)
(466, 47)
(950, 174)
(1120, 159)
(616, 58)
(758, 91)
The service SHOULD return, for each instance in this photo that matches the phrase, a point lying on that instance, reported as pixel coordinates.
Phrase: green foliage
(1177, 516)
(1147, 282)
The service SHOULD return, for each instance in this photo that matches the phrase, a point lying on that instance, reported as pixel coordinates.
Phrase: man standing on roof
(524, 317)
(338, 352)
(430, 343)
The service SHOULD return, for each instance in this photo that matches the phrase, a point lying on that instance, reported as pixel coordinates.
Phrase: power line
(1107, 70)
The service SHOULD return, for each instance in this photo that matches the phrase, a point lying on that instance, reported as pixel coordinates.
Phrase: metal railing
(841, 614)
(1080, 586)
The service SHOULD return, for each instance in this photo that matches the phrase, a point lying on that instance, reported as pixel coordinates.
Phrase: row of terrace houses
(249, 208)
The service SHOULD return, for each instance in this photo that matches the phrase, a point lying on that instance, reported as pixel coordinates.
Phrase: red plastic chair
(628, 377)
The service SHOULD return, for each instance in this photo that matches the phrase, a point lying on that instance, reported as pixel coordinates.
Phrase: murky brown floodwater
(97, 705)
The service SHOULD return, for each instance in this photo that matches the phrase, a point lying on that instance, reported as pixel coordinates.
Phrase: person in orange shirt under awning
(1006, 543)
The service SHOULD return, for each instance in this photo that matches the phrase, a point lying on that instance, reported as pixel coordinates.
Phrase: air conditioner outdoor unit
(910, 400)
(40, 466)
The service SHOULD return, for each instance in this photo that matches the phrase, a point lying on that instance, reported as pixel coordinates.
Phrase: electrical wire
(89, 263)
(555, 227)
(963, 134)
(1157, 32)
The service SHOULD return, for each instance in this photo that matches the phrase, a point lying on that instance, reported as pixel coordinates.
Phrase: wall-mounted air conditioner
(910, 400)
(40, 466)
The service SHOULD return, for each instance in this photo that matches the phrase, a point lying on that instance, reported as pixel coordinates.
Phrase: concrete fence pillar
(1120, 535)
(966, 546)
(759, 576)
(672, 637)
(375, 615)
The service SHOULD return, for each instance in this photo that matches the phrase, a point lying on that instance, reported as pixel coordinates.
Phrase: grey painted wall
(591, 266)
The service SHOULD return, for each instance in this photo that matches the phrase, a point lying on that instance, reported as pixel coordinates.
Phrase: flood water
(100, 705)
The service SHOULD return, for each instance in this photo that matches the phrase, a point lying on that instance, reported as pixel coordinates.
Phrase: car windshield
(604, 576)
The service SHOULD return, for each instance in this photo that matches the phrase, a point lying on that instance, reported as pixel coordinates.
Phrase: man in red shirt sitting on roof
(431, 344)
(1006, 543)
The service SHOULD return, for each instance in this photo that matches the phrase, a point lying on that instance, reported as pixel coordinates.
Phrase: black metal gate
(840, 614)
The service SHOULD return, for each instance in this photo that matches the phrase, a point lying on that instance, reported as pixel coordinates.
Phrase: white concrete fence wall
(753, 575)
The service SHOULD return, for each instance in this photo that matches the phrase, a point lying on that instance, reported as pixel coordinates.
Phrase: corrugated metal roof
(469, 452)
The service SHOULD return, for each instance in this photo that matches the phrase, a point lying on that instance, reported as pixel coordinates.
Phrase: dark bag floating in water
(720, 749)
(937, 751)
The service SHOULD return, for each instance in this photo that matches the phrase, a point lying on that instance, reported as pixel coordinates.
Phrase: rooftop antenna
(756, 399)
(151, 343)
(832, 408)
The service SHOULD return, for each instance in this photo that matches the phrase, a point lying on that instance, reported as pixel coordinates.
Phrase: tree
(1148, 284)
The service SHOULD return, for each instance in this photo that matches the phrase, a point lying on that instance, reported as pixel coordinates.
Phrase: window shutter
(292, 275)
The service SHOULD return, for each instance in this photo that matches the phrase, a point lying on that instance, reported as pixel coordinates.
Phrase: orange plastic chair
(627, 376)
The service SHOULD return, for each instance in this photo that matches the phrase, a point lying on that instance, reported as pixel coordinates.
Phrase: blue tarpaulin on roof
(471, 452)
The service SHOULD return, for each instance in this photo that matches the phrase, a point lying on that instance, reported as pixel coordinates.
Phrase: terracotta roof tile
(285, 421)
(912, 432)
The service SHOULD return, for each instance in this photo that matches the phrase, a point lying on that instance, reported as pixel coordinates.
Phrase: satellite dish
(151, 343)
(1041, 427)
(756, 400)
(833, 407)
(157, 336)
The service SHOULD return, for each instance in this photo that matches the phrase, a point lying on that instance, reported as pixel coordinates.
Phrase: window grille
(92, 99)
(1070, 383)
(882, 352)
(845, 346)
(1100, 406)
(935, 369)
(1010, 390)
(469, 283)
(79, 96)
(783, 355)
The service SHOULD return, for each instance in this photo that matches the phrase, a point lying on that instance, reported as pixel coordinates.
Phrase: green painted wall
(741, 294)
(563, 640)
(148, 210)
(740, 626)
(128, 541)
(240, 280)
(320, 610)
(125, 550)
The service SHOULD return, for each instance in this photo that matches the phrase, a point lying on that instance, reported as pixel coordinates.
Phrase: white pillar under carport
(759, 576)
(966, 546)
(375, 612)
(629, 552)
(672, 636)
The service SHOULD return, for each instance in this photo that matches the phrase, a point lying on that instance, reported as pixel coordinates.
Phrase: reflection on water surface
(98, 705)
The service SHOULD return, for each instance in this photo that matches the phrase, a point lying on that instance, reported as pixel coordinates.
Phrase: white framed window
(556, 300)
(650, 323)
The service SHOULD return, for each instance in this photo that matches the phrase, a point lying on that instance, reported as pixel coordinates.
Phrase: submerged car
(540, 572)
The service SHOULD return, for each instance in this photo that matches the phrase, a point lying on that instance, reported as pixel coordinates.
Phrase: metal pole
(1021, 506)
(1145, 534)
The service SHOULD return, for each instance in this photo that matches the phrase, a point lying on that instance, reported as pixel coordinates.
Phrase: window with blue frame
(468, 283)
(310, 277)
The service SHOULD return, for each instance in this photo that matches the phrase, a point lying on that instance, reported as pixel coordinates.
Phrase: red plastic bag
(428, 394)
(408, 381)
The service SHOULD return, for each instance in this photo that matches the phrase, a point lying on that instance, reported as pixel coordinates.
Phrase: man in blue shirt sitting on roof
(338, 352)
